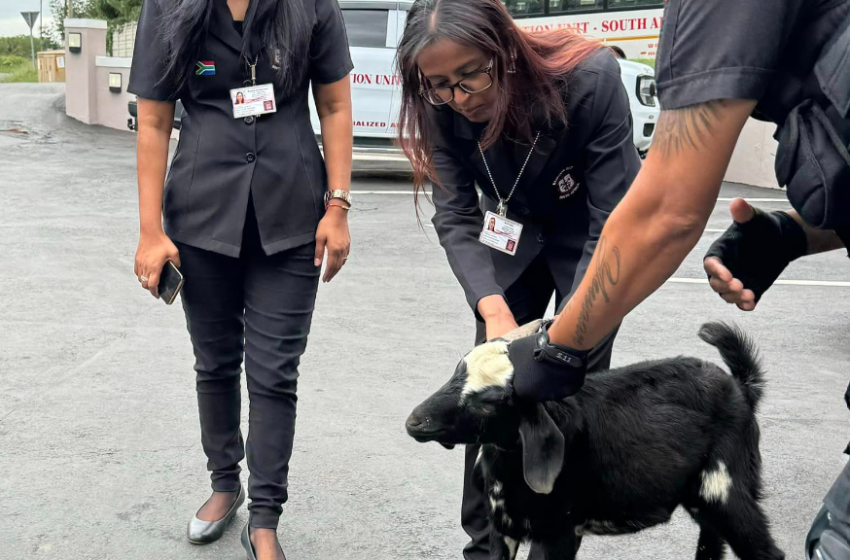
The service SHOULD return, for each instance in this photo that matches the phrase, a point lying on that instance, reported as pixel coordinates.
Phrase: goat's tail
(740, 355)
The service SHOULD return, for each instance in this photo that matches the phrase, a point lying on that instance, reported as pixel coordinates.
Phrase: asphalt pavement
(100, 449)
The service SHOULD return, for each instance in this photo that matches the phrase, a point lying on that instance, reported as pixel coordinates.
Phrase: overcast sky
(11, 21)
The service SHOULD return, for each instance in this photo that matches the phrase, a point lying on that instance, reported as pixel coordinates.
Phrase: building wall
(80, 69)
(752, 161)
(112, 106)
(123, 40)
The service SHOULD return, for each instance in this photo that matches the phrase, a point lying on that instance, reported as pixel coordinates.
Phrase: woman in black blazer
(247, 212)
(540, 124)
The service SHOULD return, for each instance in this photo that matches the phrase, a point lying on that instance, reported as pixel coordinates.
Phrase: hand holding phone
(170, 283)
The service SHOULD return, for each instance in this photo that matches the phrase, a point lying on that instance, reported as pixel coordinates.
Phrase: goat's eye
(483, 408)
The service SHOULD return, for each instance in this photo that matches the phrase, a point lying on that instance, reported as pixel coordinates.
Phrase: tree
(117, 13)
(20, 45)
(69, 8)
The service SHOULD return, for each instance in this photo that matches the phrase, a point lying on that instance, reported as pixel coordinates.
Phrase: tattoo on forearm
(686, 128)
(607, 274)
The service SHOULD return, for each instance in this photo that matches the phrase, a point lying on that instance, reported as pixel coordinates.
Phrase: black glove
(544, 371)
(756, 252)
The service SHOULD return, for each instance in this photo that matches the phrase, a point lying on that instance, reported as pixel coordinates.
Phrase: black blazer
(573, 181)
(219, 159)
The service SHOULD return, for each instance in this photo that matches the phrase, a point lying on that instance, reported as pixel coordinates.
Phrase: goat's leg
(710, 545)
(502, 547)
(565, 548)
(741, 522)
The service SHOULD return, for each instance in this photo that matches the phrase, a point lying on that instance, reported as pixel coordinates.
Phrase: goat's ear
(527, 329)
(543, 448)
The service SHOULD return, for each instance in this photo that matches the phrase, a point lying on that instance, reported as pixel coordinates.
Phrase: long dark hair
(539, 66)
(277, 25)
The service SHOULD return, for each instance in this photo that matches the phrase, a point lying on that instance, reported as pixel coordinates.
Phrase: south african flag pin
(205, 68)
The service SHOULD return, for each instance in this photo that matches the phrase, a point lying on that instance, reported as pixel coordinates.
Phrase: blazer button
(541, 238)
(250, 157)
(249, 120)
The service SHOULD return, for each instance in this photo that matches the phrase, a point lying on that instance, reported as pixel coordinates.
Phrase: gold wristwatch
(340, 194)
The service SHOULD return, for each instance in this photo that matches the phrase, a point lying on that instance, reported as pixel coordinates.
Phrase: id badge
(252, 101)
(500, 233)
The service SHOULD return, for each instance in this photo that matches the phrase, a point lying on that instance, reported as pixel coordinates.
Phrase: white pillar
(80, 68)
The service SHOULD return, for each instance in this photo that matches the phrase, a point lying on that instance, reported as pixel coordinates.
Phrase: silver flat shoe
(246, 541)
(205, 532)
(249, 548)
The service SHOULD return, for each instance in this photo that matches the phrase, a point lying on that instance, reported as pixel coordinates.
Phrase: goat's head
(477, 406)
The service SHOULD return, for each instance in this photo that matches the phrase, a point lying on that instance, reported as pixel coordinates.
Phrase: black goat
(617, 457)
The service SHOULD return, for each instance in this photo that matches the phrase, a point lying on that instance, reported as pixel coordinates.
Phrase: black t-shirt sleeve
(330, 60)
(721, 49)
(150, 57)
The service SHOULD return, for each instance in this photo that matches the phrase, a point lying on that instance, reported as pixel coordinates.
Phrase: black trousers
(528, 299)
(829, 537)
(261, 307)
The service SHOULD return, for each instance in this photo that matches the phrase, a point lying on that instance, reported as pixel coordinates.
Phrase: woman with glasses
(541, 125)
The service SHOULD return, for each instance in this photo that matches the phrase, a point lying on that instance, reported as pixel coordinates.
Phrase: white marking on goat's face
(487, 365)
(716, 484)
(496, 489)
(496, 504)
(506, 521)
(513, 547)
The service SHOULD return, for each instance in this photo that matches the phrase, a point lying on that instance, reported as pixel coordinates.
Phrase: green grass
(647, 61)
(9, 62)
(19, 69)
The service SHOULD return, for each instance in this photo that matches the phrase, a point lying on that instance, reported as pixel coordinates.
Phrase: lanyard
(503, 203)
(253, 68)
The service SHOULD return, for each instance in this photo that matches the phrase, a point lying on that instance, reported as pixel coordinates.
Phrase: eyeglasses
(474, 82)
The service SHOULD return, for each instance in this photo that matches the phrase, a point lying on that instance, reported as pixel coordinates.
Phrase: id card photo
(500, 233)
(253, 100)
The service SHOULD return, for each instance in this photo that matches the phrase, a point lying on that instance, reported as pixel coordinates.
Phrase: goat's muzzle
(420, 427)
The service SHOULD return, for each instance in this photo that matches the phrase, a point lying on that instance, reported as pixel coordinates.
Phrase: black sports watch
(556, 353)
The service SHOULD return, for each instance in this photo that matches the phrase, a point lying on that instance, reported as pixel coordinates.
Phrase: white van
(374, 29)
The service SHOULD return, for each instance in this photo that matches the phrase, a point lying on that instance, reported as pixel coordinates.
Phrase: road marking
(410, 192)
(815, 283)
(785, 200)
(818, 283)
(382, 192)
(375, 157)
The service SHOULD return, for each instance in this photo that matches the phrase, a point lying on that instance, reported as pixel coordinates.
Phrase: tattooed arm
(659, 220)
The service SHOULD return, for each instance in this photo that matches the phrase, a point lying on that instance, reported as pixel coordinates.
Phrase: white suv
(374, 30)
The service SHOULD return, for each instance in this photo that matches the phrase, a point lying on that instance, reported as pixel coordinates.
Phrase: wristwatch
(556, 353)
(342, 195)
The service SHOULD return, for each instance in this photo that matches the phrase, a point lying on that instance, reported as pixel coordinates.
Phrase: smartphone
(170, 283)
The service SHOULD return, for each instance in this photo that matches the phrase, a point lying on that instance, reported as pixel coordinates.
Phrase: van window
(524, 8)
(621, 4)
(570, 6)
(366, 28)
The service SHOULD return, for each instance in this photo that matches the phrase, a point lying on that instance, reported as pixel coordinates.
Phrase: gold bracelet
(346, 208)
